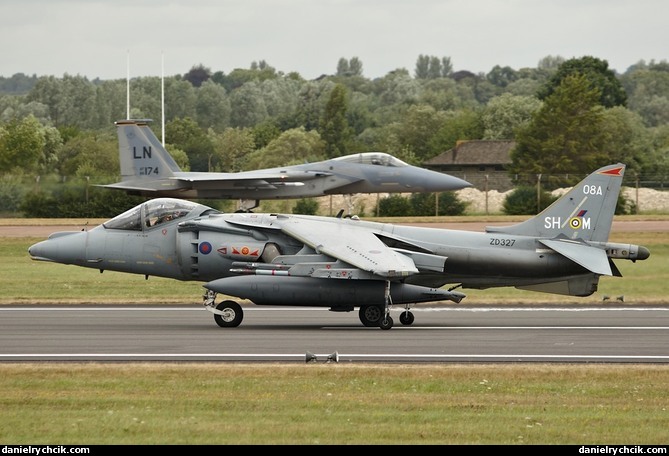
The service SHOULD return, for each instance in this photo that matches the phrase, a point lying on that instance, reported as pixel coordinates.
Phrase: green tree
(502, 76)
(22, 145)
(564, 137)
(343, 67)
(280, 97)
(12, 192)
(212, 106)
(111, 99)
(48, 90)
(355, 66)
(145, 98)
(292, 147)
(523, 201)
(598, 76)
(505, 113)
(334, 127)
(247, 105)
(231, 148)
(417, 129)
(432, 67)
(71, 100)
(198, 75)
(88, 154)
(265, 132)
(180, 100)
(459, 125)
(395, 206)
(312, 97)
(425, 204)
(444, 94)
(647, 88)
(625, 138)
(306, 206)
(186, 134)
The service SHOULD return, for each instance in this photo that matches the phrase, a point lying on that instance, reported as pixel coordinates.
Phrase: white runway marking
(350, 356)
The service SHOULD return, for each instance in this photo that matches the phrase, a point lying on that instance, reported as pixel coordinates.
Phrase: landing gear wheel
(370, 315)
(386, 322)
(232, 314)
(406, 317)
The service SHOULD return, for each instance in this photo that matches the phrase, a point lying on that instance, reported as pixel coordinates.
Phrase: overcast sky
(97, 38)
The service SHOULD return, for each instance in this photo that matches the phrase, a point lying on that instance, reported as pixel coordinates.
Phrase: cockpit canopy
(372, 158)
(152, 213)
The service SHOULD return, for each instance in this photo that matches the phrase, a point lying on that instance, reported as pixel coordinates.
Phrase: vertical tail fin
(141, 155)
(585, 212)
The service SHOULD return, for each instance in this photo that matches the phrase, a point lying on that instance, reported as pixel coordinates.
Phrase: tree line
(567, 117)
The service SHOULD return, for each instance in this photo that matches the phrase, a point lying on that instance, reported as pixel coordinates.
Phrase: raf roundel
(575, 222)
(205, 248)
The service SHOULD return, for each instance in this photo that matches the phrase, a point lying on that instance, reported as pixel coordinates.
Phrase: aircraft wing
(591, 258)
(270, 176)
(130, 185)
(351, 244)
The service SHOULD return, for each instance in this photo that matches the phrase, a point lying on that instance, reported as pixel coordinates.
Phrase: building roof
(475, 152)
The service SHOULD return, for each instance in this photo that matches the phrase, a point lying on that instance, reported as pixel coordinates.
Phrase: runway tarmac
(439, 335)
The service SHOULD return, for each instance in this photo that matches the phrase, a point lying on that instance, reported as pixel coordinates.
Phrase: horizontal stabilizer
(128, 186)
(591, 258)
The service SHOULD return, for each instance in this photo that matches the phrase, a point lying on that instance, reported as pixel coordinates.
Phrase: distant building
(482, 163)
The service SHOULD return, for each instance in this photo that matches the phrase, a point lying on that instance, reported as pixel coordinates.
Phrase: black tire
(370, 315)
(406, 317)
(386, 322)
(233, 314)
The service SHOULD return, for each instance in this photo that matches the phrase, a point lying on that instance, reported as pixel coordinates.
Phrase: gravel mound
(647, 200)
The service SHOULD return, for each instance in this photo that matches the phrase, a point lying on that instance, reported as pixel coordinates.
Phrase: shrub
(523, 201)
(306, 206)
(395, 206)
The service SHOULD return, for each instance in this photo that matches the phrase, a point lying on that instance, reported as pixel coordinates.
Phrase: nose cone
(440, 182)
(643, 253)
(67, 247)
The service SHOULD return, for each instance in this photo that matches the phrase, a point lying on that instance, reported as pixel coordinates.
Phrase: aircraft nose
(44, 251)
(435, 181)
(61, 247)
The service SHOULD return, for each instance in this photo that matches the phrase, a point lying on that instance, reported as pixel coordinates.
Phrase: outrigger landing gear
(406, 317)
(227, 314)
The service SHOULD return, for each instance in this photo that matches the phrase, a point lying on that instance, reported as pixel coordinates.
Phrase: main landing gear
(371, 316)
(380, 316)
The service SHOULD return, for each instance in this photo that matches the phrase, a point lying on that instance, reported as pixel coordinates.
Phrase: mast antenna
(127, 87)
(162, 94)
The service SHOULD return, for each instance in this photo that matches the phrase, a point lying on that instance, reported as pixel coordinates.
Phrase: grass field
(241, 403)
(222, 403)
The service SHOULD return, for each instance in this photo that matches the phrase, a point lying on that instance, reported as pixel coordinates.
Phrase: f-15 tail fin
(146, 166)
(585, 212)
(140, 152)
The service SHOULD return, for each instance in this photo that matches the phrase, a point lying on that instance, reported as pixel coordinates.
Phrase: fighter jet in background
(147, 169)
(348, 263)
